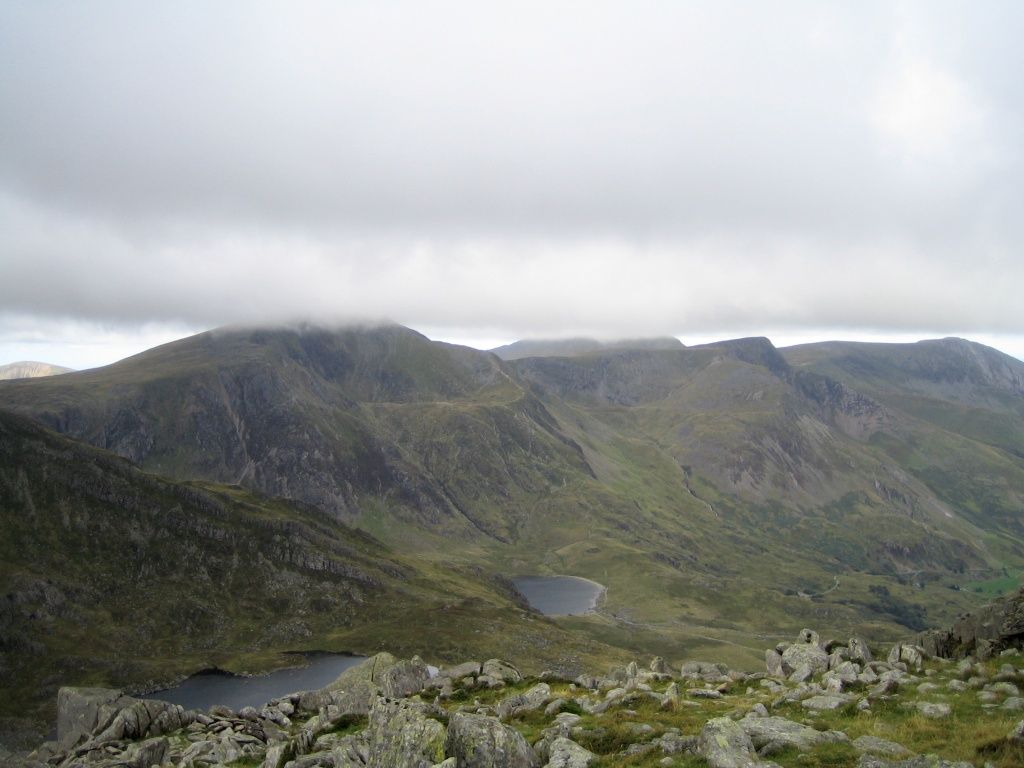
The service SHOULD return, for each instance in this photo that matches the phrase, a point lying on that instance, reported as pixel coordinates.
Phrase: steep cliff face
(672, 475)
(337, 419)
(107, 567)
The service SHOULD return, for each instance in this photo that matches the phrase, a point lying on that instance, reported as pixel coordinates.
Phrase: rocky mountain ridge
(30, 369)
(829, 485)
(817, 703)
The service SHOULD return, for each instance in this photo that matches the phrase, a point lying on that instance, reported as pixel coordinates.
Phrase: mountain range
(725, 494)
(30, 369)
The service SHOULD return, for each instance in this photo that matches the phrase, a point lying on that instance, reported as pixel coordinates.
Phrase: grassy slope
(116, 577)
(716, 498)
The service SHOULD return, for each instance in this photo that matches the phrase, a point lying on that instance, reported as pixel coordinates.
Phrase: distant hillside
(570, 347)
(722, 493)
(28, 369)
(112, 576)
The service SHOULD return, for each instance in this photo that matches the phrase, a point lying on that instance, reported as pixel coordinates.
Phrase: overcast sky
(485, 172)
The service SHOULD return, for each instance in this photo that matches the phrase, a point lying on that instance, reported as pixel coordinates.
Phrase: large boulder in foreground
(101, 715)
(78, 710)
(724, 744)
(478, 741)
(403, 733)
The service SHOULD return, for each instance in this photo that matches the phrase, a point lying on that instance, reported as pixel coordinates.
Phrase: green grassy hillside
(111, 576)
(726, 494)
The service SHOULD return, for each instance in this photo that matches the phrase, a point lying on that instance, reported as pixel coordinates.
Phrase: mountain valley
(253, 491)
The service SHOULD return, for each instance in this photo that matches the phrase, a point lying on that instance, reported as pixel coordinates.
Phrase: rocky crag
(983, 633)
(818, 703)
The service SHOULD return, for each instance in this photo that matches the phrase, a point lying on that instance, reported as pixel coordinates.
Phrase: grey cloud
(527, 168)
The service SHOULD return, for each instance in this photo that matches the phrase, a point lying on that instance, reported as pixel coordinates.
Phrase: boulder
(773, 663)
(934, 710)
(459, 671)
(501, 670)
(771, 734)
(659, 666)
(825, 701)
(930, 761)
(524, 702)
(565, 753)
(988, 631)
(724, 744)
(878, 746)
(77, 712)
(355, 699)
(403, 678)
(808, 637)
(859, 651)
(478, 741)
(368, 670)
(802, 654)
(403, 733)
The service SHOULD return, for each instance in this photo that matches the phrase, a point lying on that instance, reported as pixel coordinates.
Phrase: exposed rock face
(402, 733)
(78, 710)
(478, 741)
(449, 723)
(772, 734)
(109, 716)
(724, 744)
(983, 633)
(565, 753)
(526, 702)
(803, 654)
(496, 669)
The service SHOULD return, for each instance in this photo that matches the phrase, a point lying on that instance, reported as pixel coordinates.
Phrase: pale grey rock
(704, 670)
(146, 753)
(724, 744)
(808, 637)
(773, 663)
(776, 733)
(564, 753)
(660, 667)
(478, 741)
(501, 670)
(887, 687)
(878, 746)
(404, 678)
(459, 671)
(825, 701)
(78, 710)
(859, 650)
(402, 733)
(802, 674)
(369, 670)
(1013, 703)
(934, 710)
(1006, 688)
(804, 654)
(703, 693)
(929, 761)
(524, 702)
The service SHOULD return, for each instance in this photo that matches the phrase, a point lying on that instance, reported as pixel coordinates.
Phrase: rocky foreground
(816, 704)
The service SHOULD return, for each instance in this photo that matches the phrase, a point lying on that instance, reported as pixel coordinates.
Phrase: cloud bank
(517, 170)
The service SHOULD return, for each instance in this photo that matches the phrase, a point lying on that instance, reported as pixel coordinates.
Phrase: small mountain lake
(203, 690)
(559, 595)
